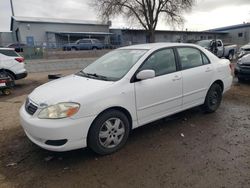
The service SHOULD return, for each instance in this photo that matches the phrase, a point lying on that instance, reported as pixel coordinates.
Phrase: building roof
(54, 20)
(238, 26)
(79, 33)
(173, 31)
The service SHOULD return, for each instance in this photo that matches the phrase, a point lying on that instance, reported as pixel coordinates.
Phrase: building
(238, 34)
(52, 32)
(124, 37)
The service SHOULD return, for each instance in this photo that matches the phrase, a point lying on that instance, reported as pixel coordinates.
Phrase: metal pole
(12, 8)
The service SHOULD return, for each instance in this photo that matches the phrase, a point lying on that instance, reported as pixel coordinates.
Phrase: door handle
(208, 70)
(176, 78)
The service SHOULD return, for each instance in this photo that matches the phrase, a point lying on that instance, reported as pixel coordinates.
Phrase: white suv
(12, 64)
(126, 88)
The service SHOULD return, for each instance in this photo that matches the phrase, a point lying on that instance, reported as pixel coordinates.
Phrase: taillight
(20, 59)
(232, 68)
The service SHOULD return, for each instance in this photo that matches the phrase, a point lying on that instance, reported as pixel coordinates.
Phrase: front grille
(245, 64)
(30, 108)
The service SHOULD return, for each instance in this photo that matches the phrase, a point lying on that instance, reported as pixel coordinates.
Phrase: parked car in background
(84, 44)
(17, 46)
(100, 105)
(219, 49)
(12, 64)
(244, 50)
(242, 69)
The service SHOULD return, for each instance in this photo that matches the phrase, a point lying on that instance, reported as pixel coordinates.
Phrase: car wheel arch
(220, 83)
(119, 108)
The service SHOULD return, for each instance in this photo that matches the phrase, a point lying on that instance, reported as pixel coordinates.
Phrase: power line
(12, 8)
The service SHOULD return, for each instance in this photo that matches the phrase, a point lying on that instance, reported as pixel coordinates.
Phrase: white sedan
(126, 88)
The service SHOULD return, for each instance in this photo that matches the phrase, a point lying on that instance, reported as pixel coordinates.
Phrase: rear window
(10, 53)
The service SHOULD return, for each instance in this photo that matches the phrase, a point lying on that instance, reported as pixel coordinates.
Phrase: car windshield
(204, 43)
(112, 66)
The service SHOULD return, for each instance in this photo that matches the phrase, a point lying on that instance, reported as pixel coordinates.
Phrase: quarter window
(189, 57)
(162, 62)
(205, 59)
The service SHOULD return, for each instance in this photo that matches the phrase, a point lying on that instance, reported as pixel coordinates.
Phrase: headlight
(239, 61)
(60, 110)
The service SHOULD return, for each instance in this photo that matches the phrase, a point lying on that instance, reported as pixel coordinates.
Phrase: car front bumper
(43, 132)
(243, 73)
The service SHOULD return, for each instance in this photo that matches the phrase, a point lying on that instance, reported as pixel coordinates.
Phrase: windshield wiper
(93, 75)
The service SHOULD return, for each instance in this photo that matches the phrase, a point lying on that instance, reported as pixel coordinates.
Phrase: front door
(161, 95)
(220, 49)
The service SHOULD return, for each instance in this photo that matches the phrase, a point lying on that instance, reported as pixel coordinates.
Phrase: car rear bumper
(21, 75)
(56, 135)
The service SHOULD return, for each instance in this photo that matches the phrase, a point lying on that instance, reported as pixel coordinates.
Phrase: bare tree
(146, 12)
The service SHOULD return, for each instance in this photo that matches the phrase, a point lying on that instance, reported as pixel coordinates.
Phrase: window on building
(240, 34)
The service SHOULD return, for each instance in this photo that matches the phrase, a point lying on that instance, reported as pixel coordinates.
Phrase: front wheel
(213, 98)
(109, 132)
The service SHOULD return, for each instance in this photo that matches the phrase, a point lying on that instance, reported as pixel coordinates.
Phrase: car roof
(151, 46)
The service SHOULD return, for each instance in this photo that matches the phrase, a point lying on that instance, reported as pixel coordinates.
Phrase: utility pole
(12, 9)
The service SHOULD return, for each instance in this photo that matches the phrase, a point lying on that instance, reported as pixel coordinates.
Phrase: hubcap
(214, 98)
(111, 133)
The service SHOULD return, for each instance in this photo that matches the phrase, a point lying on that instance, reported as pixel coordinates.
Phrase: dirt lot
(190, 149)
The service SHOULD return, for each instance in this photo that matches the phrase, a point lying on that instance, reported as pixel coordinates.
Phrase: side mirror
(145, 74)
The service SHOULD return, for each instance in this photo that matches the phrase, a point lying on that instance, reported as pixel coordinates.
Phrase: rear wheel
(213, 98)
(73, 49)
(109, 132)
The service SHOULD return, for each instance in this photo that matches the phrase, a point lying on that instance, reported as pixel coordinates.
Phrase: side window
(205, 59)
(85, 41)
(189, 57)
(219, 44)
(162, 62)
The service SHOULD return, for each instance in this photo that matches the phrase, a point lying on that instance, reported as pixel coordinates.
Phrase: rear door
(197, 74)
(161, 95)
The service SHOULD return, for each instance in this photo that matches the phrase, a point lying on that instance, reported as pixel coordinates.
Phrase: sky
(205, 14)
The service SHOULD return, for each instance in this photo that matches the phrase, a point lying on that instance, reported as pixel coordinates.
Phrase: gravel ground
(189, 149)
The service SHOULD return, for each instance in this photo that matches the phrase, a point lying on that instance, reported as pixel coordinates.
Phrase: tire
(73, 49)
(94, 48)
(6, 91)
(213, 98)
(109, 132)
(240, 79)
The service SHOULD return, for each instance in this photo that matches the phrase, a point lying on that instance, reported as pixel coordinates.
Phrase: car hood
(245, 60)
(67, 89)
